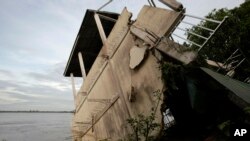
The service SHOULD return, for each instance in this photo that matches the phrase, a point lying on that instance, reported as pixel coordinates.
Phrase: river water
(35, 126)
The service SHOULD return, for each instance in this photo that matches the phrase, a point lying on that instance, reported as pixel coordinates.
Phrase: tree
(235, 33)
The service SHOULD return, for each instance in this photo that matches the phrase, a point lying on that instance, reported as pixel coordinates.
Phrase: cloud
(36, 39)
(5, 72)
(31, 96)
(43, 89)
(6, 99)
(5, 75)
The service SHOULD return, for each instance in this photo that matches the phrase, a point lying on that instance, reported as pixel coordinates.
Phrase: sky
(36, 38)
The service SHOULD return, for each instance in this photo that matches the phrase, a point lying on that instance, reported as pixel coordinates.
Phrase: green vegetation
(143, 125)
(233, 34)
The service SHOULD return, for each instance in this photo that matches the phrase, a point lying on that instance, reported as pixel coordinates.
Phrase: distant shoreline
(36, 111)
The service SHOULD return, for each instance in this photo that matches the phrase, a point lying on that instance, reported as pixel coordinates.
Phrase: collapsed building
(122, 65)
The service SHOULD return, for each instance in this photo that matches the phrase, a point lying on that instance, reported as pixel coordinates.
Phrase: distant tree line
(35, 111)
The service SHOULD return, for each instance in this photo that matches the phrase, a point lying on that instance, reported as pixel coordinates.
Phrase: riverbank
(35, 111)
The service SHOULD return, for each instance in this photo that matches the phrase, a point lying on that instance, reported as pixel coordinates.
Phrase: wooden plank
(82, 93)
(84, 122)
(99, 115)
(89, 137)
(99, 100)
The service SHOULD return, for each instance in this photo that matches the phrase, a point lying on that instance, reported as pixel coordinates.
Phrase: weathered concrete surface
(104, 104)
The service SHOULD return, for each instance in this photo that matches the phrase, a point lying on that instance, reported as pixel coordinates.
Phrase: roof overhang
(88, 42)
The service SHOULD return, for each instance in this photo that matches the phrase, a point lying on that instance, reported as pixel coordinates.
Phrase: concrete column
(100, 28)
(101, 32)
(82, 65)
(73, 86)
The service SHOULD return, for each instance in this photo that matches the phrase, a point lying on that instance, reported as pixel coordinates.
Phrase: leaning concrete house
(119, 61)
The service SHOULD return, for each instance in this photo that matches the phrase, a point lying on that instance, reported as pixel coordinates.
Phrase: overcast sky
(36, 37)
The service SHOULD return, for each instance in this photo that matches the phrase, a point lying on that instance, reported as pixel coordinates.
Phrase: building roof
(240, 89)
(88, 42)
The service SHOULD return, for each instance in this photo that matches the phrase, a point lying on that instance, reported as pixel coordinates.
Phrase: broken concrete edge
(137, 55)
(173, 4)
(176, 51)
